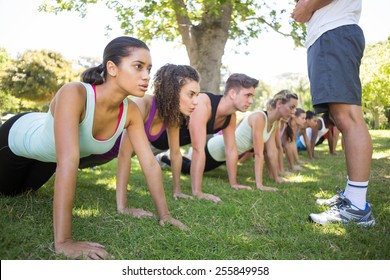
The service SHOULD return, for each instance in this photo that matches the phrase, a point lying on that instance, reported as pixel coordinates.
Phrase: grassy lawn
(247, 225)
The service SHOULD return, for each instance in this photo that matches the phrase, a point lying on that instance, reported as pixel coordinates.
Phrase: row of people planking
(93, 121)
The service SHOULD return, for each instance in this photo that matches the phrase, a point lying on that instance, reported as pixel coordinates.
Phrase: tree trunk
(376, 119)
(206, 56)
(205, 43)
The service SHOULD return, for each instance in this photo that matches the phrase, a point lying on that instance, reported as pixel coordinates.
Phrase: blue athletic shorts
(333, 66)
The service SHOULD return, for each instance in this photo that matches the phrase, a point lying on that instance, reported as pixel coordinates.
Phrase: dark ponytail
(289, 131)
(93, 75)
(115, 50)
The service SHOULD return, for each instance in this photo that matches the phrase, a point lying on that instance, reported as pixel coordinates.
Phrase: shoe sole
(363, 224)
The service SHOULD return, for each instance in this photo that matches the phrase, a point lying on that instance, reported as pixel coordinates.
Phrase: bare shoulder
(132, 106)
(133, 113)
(73, 91)
(203, 98)
(256, 118)
(203, 108)
(144, 104)
(73, 88)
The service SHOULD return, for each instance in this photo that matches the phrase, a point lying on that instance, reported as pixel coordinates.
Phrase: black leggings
(210, 164)
(20, 174)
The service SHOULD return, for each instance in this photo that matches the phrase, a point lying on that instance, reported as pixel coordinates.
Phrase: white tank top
(244, 138)
(309, 132)
(32, 135)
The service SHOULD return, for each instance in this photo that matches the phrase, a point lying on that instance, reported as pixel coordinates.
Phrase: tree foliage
(375, 73)
(203, 26)
(37, 75)
(7, 101)
(299, 84)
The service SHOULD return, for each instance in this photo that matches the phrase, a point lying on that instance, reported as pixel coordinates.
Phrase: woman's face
(287, 110)
(133, 73)
(312, 122)
(189, 97)
(301, 119)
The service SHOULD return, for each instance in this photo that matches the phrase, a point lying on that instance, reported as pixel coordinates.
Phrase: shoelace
(339, 199)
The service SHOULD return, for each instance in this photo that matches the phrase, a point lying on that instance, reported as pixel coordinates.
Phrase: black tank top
(185, 138)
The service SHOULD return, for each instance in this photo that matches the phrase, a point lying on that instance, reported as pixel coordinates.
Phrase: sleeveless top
(149, 121)
(244, 138)
(185, 138)
(32, 135)
(309, 132)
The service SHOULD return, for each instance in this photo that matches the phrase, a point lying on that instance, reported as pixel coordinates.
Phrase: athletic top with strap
(244, 138)
(185, 138)
(149, 121)
(32, 135)
(309, 132)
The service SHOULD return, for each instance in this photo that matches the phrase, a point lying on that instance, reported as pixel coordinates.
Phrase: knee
(348, 119)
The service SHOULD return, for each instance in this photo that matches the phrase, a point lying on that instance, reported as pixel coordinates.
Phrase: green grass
(247, 225)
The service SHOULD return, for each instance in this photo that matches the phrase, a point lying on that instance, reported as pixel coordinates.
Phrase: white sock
(356, 193)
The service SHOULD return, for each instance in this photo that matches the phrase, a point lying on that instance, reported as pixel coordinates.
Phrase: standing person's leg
(358, 145)
(358, 150)
(334, 62)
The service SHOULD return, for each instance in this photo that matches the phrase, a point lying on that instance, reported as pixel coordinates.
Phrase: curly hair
(167, 83)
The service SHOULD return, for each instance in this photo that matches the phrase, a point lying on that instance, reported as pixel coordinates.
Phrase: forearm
(272, 162)
(259, 163)
(231, 165)
(290, 154)
(176, 163)
(64, 192)
(305, 9)
(153, 176)
(330, 142)
(280, 160)
(122, 178)
(197, 169)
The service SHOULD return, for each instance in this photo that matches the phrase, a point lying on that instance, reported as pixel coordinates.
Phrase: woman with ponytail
(84, 118)
(289, 136)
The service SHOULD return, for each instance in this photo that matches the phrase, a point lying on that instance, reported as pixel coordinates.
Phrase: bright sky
(23, 27)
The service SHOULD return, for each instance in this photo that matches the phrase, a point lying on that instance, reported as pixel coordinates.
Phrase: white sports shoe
(333, 200)
(345, 213)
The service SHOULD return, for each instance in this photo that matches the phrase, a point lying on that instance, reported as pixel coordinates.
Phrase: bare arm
(272, 158)
(257, 122)
(231, 153)
(307, 143)
(313, 140)
(123, 172)
(198, 128)
(67, 109)
(304, 9)
(176, 160)
(149, 165)
(279, 147)
(330, 138)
